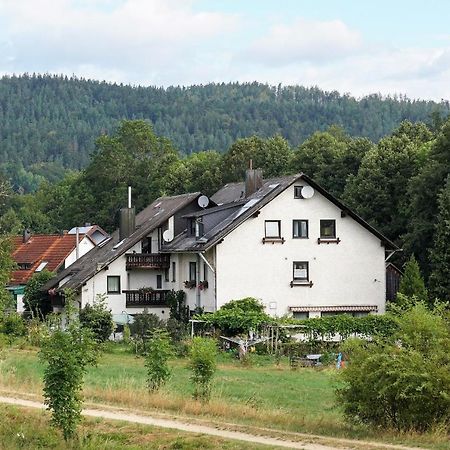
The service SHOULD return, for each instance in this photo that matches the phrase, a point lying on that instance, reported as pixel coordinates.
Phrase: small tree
(159, 350)
(412, 284)
(98, 319)
(6, 266)
(402, 382)
(142, 327)
(203, 365)
(37, 301)
(67, 355)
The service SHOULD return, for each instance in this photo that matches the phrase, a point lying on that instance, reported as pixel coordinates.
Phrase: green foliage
(98, 319)
(238, 316)
(202, 356)
(402, 382)
(159, 350)
(13, 325)
(440, 253)
(144, 324)
(412, 283)
(37, 301)
(6, 266)
(126, 334)
(178, 308)
(67, 355)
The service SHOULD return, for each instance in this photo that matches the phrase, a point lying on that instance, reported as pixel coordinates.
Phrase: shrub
(37, 331)
(13, 325)
(159, 350)
(98, 319)
(402, 382)
(179, 311)
(144, 324)
(203, 365)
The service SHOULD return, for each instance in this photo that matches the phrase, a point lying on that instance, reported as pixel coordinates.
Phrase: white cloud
(303, 40)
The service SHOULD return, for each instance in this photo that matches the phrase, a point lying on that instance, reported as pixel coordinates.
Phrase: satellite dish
(203, 201)
(307, 192)
(168, 236)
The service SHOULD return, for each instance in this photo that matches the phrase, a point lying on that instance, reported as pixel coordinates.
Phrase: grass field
(264, 394)
(30, 429)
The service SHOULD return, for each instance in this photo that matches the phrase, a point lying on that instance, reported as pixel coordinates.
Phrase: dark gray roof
(146, 221)
(241, 211)
(231, 192)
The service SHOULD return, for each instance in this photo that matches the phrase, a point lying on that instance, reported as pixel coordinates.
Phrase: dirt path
(288, 440)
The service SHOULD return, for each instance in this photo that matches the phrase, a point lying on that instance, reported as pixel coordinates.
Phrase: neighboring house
(285, 241)
(393, 278)
(33, 253)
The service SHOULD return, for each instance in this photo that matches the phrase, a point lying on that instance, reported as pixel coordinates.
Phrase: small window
(328, 229)
(191, 227)
(301, 271)
(273, 228)
(174, 271)
(193, 272)
(147, 245)
(158, 281)
(301, 315)
(199, 228)
(113, 284)
(298, 191)
(166, 275)
(300, 229)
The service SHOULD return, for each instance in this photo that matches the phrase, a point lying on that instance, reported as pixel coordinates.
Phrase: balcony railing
(147, 261)
(139, 298)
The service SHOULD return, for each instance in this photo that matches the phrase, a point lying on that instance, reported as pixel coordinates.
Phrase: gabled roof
(98, 258)
(269, 190)
(52, 249)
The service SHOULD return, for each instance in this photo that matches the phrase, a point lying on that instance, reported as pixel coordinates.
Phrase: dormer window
(191, 227)
(199, 229)
(24, 266)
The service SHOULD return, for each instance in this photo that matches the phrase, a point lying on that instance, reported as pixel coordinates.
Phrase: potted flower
(189, 284)
(203, 285)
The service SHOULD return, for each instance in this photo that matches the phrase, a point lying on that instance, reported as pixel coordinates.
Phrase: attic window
(24, 266)
(298, 191)
(41, 266)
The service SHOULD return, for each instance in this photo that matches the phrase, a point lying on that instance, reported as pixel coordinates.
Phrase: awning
(122, 319)
(339, 308)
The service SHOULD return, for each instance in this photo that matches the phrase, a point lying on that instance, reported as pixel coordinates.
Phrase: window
(158, 281)
(174, 271)
(298, 191)
(300, 229)
(193, 271)
(205, 272)
(113, 284)
(301, 271)
(147, 245)
(328, 229)
(166, 275)
(273, 229)
(199, 228)
(301, 315)
(191, 227)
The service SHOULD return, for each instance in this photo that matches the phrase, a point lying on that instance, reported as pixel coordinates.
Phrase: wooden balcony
(147, 261)
(140, 299)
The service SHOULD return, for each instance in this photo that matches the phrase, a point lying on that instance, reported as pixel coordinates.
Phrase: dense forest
(48, 124)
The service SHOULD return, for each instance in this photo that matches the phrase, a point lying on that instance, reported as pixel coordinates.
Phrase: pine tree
(412, 284)
(440, 253)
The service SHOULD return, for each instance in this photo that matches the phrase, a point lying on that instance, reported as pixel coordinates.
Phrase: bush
(203, 365)
(37, 332)
(13, 325)
(142, 327)
(159, 350)
(403, 382)
(35, 300)
(98, 319)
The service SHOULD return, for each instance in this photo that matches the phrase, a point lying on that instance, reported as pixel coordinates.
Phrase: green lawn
(263, 394)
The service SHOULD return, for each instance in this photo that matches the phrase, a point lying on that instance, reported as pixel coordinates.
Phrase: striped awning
(340, 308)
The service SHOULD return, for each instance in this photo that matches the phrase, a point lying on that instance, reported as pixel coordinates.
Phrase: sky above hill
(353, 46)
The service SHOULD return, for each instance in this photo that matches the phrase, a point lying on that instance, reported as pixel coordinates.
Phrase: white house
(285, 241)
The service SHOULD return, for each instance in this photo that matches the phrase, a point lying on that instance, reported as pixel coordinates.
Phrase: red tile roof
(53, 248)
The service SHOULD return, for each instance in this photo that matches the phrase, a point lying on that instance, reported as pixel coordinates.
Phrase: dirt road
(288, 440)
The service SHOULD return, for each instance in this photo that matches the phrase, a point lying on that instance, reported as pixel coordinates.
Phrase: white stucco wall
(349, 273)
(85, 245)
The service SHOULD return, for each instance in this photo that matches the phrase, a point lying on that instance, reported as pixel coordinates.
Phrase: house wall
(85, 245)
(349, 273)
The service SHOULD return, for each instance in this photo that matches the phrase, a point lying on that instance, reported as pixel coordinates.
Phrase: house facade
(286, 242)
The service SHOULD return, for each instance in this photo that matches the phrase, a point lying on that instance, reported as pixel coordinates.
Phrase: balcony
(140, 299)
(147, 261)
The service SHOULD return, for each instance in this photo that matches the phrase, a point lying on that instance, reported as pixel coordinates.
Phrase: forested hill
(57, 119)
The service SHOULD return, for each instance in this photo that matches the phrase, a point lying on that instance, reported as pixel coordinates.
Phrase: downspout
(197, 302)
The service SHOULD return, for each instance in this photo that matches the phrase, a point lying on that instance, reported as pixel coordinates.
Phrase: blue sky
(357, 47)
